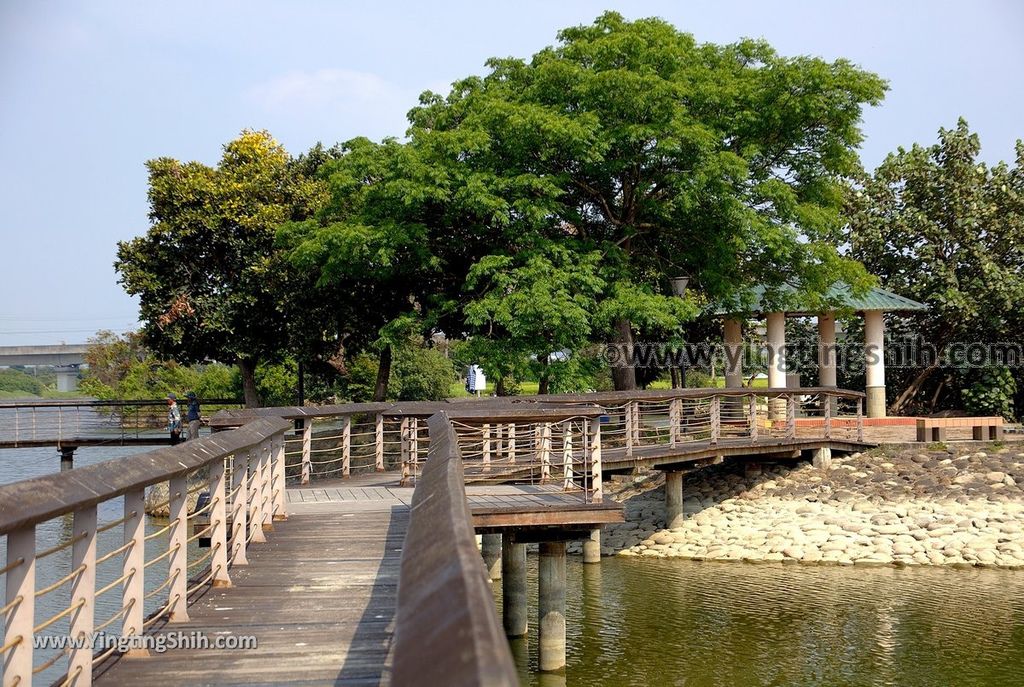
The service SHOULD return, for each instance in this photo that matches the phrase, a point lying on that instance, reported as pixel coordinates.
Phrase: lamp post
(679, 285)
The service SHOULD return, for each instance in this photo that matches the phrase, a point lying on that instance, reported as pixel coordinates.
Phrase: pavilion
(871, 306)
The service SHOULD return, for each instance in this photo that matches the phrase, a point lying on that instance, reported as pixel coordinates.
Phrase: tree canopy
(940, 226)
(623, 156)
(205, 272)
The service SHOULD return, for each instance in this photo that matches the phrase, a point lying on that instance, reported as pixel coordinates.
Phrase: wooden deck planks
(319, 595)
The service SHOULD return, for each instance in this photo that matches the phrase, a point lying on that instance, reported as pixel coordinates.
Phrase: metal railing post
(628, 419)
(567, 455)
(753, 417)
(485, 434)
(219, 524)
(280, 508)
(404, 446)
(83, 591)
(790, 416)
(239, 508)
(21, 597)
(256, 496)
(828, 415)
(636, 423)
(716, 418)
(512, 442)
(307, 441)
(266, 483)
(860, 419)
(414, 444)
(346, 446)
(133, 590)
(177, 542)
(595, 459)
(378, 439)
(675, 411)
(545, 451)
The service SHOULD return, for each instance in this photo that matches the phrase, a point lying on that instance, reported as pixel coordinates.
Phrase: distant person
(173, 418)
(192, 416)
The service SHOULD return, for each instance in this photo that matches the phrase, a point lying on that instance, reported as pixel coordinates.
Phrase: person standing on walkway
(173, 419)
(192, 416)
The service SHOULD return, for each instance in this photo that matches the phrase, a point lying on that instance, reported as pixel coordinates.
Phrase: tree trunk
(623, 373)
(247, 367)
(542, 386)
(911, 391)
(499, 387)
(674, 371)
(380, 390)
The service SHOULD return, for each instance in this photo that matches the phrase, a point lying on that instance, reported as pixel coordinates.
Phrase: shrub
(992, 393)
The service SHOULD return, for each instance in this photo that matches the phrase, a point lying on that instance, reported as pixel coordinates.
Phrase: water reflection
(654, 622)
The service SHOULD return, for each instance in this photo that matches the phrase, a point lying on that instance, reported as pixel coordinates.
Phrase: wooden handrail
(159, 402)
(654, 395)
(446, 627)
(495, 409)
(36, 500)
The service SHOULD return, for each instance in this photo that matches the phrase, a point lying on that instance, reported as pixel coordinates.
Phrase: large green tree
(206, 274)
(937, 224)
(664, 156)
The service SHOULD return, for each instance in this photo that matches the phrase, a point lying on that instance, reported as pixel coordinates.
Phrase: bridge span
(342, 537)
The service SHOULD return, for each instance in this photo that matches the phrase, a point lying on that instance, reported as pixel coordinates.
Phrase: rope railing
(159, 576)
(559, 441)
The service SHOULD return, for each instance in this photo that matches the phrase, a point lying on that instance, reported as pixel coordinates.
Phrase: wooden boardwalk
(320, 595)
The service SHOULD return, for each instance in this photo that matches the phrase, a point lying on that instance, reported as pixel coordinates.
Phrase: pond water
(675, 622)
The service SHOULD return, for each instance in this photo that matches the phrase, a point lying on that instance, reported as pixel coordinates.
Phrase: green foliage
(205, 272)
(942, 227)
(991, 394)
(548, 204)
(19, 382)
(422, 374)
(120, 368)
(419, 373)
(724, 162)
(277, 383)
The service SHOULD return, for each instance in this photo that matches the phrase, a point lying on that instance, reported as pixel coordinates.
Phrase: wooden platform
(319, 596)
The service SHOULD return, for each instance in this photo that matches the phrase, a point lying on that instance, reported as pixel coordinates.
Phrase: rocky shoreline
(937, 505)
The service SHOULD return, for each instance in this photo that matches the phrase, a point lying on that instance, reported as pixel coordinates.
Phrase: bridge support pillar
(491, 550)
(67, 457)
(67, 377)
(673, 499)
(513, 577)
(592, 547)
(551, 603)
(822, 458)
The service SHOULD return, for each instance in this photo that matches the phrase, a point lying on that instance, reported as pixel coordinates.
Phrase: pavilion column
(874, 361)
(827, 350)
(827, 355)
(777, 362)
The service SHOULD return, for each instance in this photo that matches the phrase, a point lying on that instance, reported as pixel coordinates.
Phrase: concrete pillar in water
(551, 605)
(491, 549)
(513, 577)
(673, 499)
(592, 547)
(822, 458)
(67, 457)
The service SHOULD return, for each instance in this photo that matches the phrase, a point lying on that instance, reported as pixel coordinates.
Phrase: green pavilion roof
(840, 294)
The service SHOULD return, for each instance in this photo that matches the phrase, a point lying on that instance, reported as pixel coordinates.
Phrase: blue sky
(90, 90)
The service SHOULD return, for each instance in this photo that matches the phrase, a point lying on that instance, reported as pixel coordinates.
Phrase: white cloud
(327, 89)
